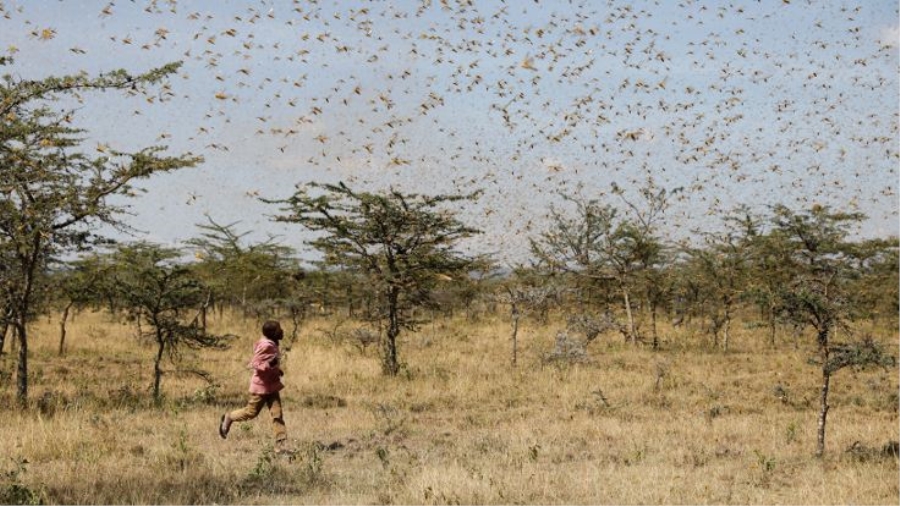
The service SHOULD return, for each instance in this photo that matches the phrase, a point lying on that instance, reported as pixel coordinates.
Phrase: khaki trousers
(253, 408)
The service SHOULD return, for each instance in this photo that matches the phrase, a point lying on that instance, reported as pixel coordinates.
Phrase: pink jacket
(265, 363)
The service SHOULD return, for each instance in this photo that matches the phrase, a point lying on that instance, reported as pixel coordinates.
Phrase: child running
(264, 386)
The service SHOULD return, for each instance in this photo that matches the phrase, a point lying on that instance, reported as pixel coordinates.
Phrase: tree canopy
(52, 190)
(404, 243)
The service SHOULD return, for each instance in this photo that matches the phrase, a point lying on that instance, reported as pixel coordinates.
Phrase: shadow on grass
(188, 488)
(272, 475)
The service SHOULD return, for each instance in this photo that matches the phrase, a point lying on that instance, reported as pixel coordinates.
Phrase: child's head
(272, 330)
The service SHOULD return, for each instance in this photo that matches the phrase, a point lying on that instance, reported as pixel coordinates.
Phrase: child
(264, 385)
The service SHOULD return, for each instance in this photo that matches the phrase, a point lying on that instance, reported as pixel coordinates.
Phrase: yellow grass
(682, 425)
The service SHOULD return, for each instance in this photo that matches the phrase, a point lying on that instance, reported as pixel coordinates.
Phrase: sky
(751, 103)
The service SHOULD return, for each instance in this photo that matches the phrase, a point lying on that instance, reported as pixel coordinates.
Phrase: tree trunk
(632, 333)
(515, 332)
(349, 301)
(726, 327)
(4, 330)
(62, 328)
(390, 365)
(772, 325)
(726, 331)
(714, 327)
(22, 369)
(21, 341)
(295, 323)
(823, 412)
(21, 307)
(823, 397)
(653, 326)
(157, 366)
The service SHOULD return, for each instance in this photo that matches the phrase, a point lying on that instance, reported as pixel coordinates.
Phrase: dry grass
(681, 425)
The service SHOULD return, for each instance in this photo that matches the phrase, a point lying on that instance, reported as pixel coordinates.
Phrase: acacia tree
(649, 254)
(591, 245)
(238, 272)
(818, 295)
(722, 266)
(158, 290)
(769, 270)
(403, 243)
(877, 261)
(601, 245)
(6, 284)
(642, 245)
(523, 296)
(50, 190)
(82, 284)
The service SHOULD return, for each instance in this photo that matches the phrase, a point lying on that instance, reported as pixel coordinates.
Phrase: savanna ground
(686, 424)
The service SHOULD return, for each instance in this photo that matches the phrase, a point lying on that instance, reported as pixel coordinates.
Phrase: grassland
(685, 424)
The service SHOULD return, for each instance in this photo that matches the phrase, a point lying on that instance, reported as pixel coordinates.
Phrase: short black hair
(272, 330)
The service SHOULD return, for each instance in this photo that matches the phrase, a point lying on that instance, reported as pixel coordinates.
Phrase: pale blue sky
(739, 102)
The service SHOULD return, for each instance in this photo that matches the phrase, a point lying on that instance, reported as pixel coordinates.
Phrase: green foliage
(875, 288)
(269, 475)
(723, 264)
(601, 244)
(182, 457)
(823, 265)
(161, 292)
(586, 243)
(83, 282)
(265, 465)
(313, 470)
(403, 244)
(154, 285)
(237, 273)
(765, 462)
(790, 434)
(860, 355)
(15, 93)
(14, 491)
(818, 255)
(400, 240)
(383, 456)
(51, 191)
